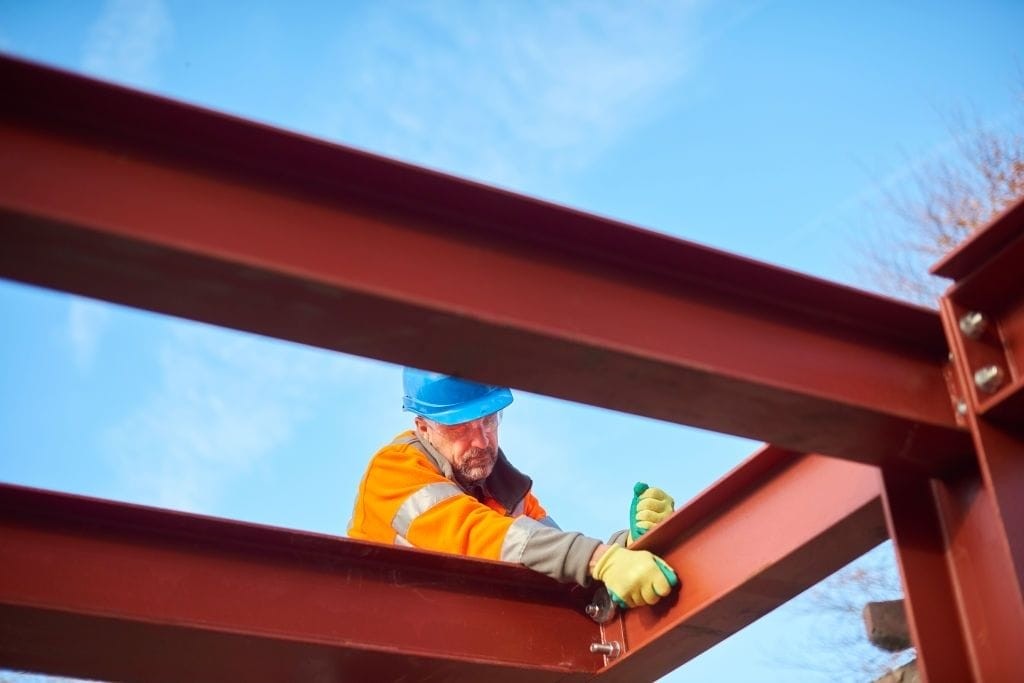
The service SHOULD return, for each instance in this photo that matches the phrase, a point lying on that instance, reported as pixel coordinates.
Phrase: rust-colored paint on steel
(143, 201)
(989, 280)
(960, 540)
(997, 419)
(110, 591)
(968, 258)
(962, 599)
(767, 531)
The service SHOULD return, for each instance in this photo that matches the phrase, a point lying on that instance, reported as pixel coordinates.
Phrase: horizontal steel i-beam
(109, 591)
(151, 203)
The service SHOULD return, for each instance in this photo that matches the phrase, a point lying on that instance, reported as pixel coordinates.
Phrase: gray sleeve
(619, 538)
(562, 555)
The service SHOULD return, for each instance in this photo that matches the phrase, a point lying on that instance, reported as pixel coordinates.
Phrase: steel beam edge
(962, 610)
(767, 531)
(110, 591)
(142, 201)
(960, 540)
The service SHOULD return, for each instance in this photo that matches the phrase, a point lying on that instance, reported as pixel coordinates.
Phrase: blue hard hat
(450, 400)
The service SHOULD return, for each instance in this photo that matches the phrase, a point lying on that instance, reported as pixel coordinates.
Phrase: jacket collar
(506, 484)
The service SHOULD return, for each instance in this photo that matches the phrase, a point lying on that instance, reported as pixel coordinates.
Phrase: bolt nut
(961, 408)
(611, 650)
(973, 324)
(989, 378)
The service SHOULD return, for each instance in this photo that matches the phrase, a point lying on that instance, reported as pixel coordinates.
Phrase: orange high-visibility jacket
(409, 496)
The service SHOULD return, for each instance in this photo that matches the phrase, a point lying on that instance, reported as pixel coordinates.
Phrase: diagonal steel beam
(109, 591)
(766, 532)
(155, 204)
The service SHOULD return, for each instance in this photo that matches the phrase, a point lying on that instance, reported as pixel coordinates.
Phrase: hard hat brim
(488, 404)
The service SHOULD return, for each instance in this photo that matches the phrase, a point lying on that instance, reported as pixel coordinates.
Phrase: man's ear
(421, 426)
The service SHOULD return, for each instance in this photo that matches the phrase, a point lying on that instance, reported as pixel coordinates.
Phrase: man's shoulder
(405, 449)
(404, 442)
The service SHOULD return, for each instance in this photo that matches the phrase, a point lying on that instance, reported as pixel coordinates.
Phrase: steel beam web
(110, 591)
(142, 201)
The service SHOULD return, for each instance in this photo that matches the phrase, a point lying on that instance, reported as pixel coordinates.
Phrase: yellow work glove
(650, 506)
(634, 577)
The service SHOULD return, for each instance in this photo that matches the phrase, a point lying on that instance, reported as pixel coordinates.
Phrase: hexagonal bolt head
(973, 324)
(989, 378)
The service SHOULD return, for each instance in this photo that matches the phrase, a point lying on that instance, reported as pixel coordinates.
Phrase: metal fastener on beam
(989, 378)
(611, 649)
(973, 324)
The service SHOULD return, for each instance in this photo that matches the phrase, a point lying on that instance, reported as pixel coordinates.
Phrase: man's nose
(481, 437)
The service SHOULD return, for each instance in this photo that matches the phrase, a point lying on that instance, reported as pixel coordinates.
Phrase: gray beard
(471, 476)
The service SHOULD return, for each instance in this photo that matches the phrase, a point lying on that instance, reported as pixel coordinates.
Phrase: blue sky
(764, 128)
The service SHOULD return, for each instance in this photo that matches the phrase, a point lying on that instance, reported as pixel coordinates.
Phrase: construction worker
(447, 486)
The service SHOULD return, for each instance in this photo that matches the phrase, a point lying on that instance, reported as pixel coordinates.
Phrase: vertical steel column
(960, 540)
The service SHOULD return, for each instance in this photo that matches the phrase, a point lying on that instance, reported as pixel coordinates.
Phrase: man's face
(470, 447)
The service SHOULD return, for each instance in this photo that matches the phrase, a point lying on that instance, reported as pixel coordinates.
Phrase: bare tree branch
(946, 201)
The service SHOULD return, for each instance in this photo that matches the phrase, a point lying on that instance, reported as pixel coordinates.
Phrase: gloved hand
(634, 577)
(649, 506)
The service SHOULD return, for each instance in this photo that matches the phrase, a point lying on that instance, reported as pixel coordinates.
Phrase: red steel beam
(139, 200)
(988, 280)
(769, 530)
(962, 597)
(109, 591)
(960, 540)
(987, 270)
(118, 592)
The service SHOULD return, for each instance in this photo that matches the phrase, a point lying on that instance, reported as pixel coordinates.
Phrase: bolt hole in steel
(989, 378)
(973, 324)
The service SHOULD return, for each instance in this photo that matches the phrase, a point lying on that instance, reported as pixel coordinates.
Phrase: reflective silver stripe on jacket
(547, 521)
(421, 501)
(517, 537)
(403, 541)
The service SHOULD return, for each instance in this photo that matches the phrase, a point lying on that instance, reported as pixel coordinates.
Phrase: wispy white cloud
(508, 92)
(126, 41)
(223, 404)
(87, 321)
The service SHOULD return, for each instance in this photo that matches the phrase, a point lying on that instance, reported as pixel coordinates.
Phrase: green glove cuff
(673, 579)
(636, 532)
